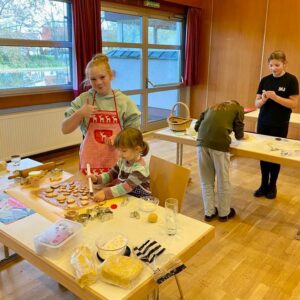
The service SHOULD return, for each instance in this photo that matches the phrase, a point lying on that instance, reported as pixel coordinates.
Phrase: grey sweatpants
(214, 164)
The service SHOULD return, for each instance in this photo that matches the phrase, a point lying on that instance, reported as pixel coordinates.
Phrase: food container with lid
(34, 178)
(58, 239)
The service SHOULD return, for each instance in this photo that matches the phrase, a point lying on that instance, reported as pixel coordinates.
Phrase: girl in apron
(101, 114)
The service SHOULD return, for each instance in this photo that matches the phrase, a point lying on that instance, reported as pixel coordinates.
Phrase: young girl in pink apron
(101, 114)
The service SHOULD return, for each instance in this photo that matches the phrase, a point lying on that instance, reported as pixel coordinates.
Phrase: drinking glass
(171, 209)
(15, 159)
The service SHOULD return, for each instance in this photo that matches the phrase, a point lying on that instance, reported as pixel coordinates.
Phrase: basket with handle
(179, 123)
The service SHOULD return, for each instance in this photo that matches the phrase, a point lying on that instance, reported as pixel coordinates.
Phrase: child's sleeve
(138, 176)
(238, 124)
(198, 123)
(109, 176)
(132, 115)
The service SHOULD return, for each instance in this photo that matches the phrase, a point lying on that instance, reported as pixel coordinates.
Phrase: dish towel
(163, 264)
(148, 251)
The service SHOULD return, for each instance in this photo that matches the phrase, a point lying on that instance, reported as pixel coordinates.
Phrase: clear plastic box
(60, 238)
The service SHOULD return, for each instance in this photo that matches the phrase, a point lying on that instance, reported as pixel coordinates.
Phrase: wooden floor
(254, 256)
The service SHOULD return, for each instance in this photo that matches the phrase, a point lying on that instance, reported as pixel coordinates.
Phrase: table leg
(179, 154)
(179, 287)
(8, 258)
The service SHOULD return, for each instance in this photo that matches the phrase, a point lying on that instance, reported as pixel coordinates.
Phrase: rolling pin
(46, 166)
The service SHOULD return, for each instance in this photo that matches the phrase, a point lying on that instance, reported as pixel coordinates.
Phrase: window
(146, 55)
(35, 45)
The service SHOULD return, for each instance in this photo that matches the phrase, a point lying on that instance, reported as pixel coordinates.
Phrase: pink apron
(93, 150)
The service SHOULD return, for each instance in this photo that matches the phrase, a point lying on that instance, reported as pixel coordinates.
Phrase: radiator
(34, 132)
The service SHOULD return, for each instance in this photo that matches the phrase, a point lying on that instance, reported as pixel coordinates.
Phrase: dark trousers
(270, 171)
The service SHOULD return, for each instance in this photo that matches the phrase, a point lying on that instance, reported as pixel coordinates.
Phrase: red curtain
(192, 47)
(87, 35)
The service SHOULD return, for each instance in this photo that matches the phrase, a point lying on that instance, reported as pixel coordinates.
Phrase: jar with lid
(56, 174)
(34, 178)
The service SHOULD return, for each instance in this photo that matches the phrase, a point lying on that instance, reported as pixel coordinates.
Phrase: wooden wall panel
(244, 33)
(282, 33)
(237, 42)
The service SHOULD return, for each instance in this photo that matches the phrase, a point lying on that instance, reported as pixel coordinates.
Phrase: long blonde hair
(224, 105)
(131, 138)
(98, 59)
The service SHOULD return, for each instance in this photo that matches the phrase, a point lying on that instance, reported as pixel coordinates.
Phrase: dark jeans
(270, 171)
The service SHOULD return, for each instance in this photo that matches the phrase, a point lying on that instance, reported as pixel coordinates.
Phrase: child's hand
(87, 110)
(99, 196)
(93, 177)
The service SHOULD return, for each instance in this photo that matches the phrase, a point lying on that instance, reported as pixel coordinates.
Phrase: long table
(294, 120)
(294, 124)
(191, 237)
(257, 146)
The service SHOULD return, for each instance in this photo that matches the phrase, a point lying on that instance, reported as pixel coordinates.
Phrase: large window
(146, 55)
(35, 45)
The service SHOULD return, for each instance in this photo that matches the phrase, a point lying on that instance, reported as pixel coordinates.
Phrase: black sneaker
(229, 216)
(272, 193)
(210, 218)
(260, 192)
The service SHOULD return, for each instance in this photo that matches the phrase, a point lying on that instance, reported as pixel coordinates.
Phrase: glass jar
(34, 178)
(56, 174)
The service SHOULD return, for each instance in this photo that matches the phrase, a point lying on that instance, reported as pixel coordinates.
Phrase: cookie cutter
(71, 215)
(104, 213)
(135, 214)
(83, 218)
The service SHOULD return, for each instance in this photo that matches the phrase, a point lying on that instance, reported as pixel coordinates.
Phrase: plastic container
(60, 238)
(111, 243)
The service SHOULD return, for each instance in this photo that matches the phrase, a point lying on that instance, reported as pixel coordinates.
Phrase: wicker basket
(179, 123)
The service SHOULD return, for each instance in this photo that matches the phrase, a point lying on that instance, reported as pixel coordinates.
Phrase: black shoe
(210, 218)
(260, 192)
(229, 216)
(272, 192)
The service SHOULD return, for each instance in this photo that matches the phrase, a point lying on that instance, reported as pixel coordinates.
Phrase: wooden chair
(168, 180)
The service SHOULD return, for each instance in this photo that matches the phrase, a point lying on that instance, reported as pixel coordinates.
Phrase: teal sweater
(215, 126)
(128, 112)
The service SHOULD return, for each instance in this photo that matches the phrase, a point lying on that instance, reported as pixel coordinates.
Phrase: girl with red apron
(93, 150)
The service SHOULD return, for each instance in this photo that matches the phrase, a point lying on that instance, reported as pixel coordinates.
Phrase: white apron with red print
(93, 150)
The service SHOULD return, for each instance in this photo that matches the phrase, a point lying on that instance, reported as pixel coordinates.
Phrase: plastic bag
(166, 266)
(122, 271)
(82, 260)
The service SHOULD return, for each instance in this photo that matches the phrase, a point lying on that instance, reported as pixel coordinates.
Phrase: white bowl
(148, 203)
(111, 243)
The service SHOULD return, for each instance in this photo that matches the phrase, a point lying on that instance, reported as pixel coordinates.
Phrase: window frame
(144, 46)
(43, 43)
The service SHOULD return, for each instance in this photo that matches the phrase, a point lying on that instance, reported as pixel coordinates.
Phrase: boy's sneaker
(261, 191)
(272, 193)
(213, 216)
(229, 216)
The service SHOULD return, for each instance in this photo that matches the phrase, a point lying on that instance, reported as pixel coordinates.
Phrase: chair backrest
(168, 180)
